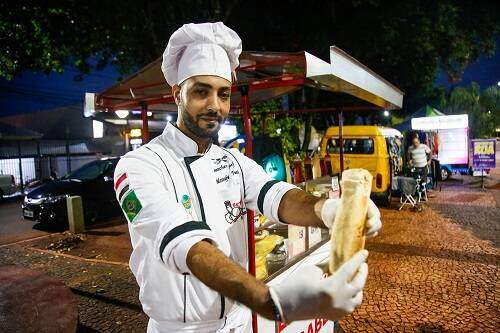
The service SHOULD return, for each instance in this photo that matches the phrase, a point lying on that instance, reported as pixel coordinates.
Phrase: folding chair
(407, 186)
(421, 188)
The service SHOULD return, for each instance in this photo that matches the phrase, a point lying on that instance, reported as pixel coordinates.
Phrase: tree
(406, 42)
(483, 108)
(91, 34)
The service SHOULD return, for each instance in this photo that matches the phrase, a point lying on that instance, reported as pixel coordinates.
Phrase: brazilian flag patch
(131, 206)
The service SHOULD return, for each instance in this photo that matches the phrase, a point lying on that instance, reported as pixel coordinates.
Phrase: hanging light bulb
(122, 113)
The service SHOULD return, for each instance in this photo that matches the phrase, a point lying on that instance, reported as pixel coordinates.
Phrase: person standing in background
(419, 157)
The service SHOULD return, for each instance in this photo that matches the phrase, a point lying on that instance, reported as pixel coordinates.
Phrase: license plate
(28, 213)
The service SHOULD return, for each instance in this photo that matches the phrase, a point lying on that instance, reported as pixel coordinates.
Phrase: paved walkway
(108, 293)
(432, 274)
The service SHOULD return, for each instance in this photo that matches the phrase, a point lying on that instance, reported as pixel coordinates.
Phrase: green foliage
(396, 120)
(284, 126)
(483, 108)
(407, 42)
(422, 37)
(47, 37)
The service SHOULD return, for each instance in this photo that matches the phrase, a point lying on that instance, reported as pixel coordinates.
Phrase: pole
(127, 145)
(247, 124)
(68, 160)
(145, 127)
(20, 166)
(341, 142)
(39, 162)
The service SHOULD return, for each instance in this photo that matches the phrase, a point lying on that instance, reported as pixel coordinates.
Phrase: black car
(93, 182)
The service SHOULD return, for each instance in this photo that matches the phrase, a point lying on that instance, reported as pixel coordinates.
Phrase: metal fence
(36, 160)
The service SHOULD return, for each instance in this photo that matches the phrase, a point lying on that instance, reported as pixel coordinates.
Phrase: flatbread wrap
(348, 229)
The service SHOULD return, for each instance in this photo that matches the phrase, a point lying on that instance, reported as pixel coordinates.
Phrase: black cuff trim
(222, 306)
(262, 195)
(179, 230)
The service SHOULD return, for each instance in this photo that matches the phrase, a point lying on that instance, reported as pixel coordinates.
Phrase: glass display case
(279, 246)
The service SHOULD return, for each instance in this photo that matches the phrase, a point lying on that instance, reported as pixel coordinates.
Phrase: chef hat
(201, 49)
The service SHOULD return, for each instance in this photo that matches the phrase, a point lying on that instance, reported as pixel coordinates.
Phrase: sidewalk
(428, 275)
(108, 293)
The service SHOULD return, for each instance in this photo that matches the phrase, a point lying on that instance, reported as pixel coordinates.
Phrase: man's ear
(176, 93)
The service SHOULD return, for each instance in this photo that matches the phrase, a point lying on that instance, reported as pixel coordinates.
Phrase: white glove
(308, 296)
(373, 222)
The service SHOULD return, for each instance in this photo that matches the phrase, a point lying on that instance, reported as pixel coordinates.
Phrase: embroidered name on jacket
(223, 179)
(221, 164)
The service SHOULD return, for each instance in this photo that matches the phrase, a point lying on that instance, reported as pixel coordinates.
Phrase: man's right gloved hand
(308, 296)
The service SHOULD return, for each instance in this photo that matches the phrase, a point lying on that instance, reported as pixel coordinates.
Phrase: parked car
(34, 183)
(7, 185)
(365, 147)
(93, 182)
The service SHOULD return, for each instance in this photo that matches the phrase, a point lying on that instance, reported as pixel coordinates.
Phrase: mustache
(211, 114)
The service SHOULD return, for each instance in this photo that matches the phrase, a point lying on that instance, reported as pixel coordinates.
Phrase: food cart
(449, 136)
(263, 76)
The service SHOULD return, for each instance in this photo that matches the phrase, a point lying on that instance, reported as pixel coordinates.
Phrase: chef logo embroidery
(234, 211)
(129, 202)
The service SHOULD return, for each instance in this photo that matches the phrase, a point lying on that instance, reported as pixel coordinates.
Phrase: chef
(186, 199)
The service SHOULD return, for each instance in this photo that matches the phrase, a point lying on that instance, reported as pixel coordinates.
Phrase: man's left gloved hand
(373, 222)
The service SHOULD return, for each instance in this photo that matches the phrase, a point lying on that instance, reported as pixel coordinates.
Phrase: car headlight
(34, 201)
(55, 198)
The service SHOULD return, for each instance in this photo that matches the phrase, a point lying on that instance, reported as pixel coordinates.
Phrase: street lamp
(386, 113)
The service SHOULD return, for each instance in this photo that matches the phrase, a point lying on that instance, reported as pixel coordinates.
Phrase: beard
(193, 124)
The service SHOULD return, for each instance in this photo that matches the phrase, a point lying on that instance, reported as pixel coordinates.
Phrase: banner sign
(483, 153)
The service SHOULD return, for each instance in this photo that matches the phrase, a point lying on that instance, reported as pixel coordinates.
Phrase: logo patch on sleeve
(131, 206)
(186, 201)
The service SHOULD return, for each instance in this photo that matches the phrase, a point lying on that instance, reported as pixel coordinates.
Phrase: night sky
(38, 91)
(485, 72)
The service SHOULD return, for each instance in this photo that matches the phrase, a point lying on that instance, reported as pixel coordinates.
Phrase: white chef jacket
(174, 197)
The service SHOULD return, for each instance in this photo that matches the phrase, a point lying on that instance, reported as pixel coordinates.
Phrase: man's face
(415, 142)
(204, 103)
